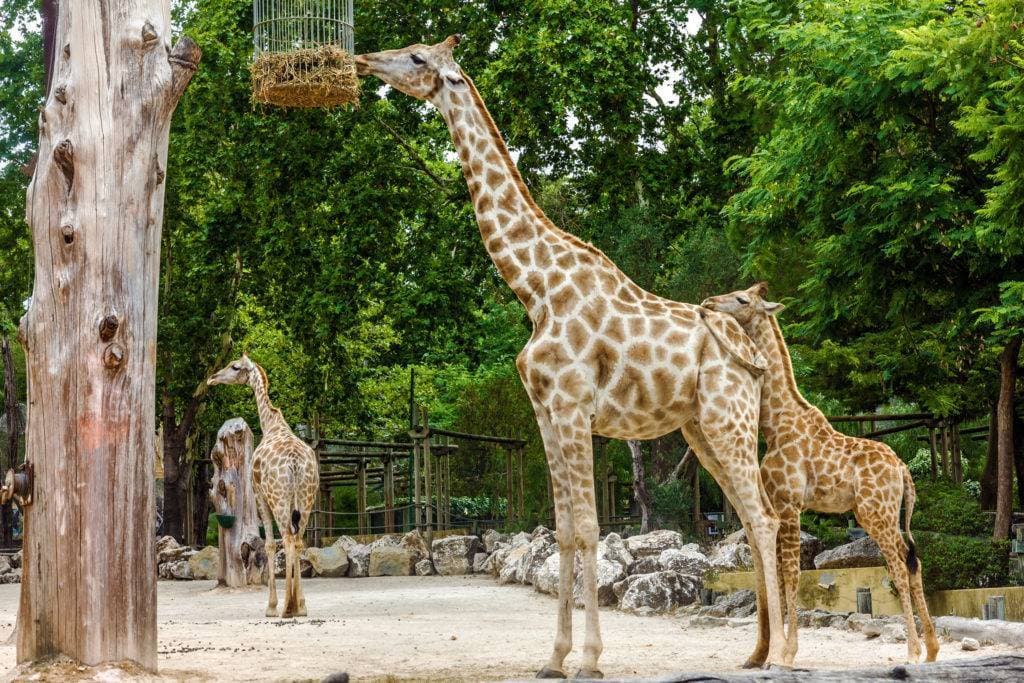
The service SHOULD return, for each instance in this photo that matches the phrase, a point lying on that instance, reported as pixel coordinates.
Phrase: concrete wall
(835, 590)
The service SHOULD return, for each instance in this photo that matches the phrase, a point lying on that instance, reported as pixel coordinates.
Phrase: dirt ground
(439, 628)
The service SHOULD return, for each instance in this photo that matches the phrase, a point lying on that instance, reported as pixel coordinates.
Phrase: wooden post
(698, 527)
(522, 483)
(361, 496)
(242, 559)
(958, 470)
(934, 448)
(389, 493)
(510, 505)
(417, 447)
(944, 441)
(95, 207)
(429, 492)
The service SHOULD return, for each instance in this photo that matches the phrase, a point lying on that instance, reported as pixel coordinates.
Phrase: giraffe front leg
(565, 535)
(577, 452)
(760, 654)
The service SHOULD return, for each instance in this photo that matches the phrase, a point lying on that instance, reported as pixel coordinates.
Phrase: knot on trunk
(64, 156)
(108, 327)
(149, 35)
(113, 356)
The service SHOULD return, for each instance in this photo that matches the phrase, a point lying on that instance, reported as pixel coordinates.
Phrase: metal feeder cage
(303, 53)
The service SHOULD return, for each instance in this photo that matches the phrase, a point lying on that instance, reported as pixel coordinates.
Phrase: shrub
(951, 562)
(829, 529)
(945, 508)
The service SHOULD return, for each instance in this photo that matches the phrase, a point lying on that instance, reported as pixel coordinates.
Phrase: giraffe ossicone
(605, 356)
(812, 466)
(285, 478)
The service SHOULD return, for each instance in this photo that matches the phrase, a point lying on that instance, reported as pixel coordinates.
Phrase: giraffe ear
(761, 289)
(453, 41)
(771, 308)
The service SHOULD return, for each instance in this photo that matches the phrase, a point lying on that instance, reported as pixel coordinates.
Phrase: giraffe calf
(285, 478)
(812, 466)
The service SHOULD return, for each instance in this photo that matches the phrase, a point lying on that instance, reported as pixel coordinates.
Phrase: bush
(671, 505)
(951, 562)
(945, 508)
(829, 529)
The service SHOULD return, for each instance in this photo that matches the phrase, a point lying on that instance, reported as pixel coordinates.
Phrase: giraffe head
(425, 72)
(744, 304)
(237, 372)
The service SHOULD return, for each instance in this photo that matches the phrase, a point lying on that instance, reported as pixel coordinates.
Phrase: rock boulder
(653, 543)
(331, 561)
(391, 560)
(657, 593)
(453, 555)
(863, 552)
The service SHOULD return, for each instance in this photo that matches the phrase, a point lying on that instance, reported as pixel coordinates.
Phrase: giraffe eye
(417, 60)
(235, 367)
(743, 300)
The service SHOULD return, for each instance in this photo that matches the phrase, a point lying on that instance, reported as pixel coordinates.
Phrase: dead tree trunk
(640, 492)
(231, 494)
(95, 206)
(1004, 481)
(12, 408)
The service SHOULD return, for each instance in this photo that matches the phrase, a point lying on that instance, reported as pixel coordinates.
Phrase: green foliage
(949, 562)
(829, 529)
(943, 507)
(672, 505)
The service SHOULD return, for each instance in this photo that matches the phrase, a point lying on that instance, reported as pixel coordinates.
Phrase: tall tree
(95, 206)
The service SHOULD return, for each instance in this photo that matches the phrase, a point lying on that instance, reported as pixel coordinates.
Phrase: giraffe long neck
(270, 417)
(779, 394)
(524, 245)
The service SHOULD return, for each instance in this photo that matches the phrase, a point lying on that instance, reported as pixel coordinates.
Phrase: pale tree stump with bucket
(243, 561)
(303, 53)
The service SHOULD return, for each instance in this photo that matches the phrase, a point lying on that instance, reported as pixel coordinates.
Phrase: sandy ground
(439, 628)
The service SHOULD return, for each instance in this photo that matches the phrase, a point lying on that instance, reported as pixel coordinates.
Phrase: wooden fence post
(242, 558)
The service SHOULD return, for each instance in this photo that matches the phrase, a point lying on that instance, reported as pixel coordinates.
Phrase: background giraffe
(285, 477)
(605, 356)
(811, 466)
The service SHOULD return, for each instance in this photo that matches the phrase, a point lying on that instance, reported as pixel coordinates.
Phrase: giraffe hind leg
(884, 529)
(270, 546)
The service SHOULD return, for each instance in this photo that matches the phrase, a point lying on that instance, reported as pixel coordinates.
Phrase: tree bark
(95, 206)
(12, 408)
(640, 492)
(1004, 486)
(231, 493)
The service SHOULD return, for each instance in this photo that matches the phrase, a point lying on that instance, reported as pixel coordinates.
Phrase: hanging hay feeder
(303, 53)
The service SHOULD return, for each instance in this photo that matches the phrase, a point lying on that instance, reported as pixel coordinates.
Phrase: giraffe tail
(296, 517)
(909, 498)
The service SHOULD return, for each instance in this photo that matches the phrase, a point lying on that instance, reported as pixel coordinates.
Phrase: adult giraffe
(605, 356)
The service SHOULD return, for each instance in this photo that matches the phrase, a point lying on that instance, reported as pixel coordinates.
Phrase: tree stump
(243, 560)
(95, 206)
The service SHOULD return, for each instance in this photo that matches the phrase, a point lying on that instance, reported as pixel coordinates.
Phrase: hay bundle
(313, 77)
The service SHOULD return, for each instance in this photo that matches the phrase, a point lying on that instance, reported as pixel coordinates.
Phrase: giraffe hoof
(271, 612)
(548, 672)
(588, 675)
(753, 663)
(777, 667)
